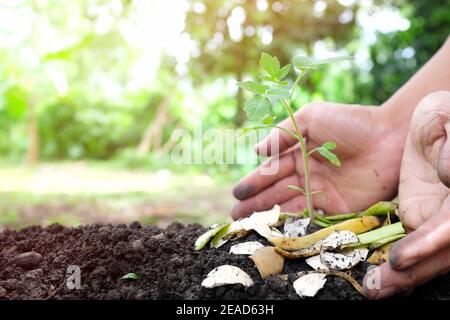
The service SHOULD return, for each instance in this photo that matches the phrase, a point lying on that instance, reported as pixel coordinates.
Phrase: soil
(34, 262)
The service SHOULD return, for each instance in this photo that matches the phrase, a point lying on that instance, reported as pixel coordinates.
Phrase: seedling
(131, 276)
(274, 90)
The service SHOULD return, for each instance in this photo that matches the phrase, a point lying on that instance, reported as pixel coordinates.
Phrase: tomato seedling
(273, 90)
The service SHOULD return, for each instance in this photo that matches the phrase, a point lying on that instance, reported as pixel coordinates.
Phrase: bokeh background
(91, 91)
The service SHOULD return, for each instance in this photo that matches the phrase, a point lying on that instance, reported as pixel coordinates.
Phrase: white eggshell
(247, 248)
(308, 285)
(226, 274)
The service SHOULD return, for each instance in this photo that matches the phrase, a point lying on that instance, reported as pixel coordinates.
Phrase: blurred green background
(91, 91)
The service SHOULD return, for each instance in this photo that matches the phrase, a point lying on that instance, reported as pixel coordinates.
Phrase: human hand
(369, 149)
(424, 203)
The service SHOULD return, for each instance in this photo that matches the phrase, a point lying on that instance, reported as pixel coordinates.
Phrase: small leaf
(257, 108)
(279, 92)
(269, 120)
(304, 62)
(131, 276)
(283, 72)
(329, 145)
(296, 188)
(247, 130)
(330, 156)
(270, 64)
(253, 86)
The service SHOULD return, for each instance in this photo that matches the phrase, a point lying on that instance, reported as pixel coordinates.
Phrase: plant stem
(303, 150)
(344, 216)
(381, 208)
(381, 242)
(304, 153)
(381, 233)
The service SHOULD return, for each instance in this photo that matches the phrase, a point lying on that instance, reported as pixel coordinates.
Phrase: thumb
(443, 166)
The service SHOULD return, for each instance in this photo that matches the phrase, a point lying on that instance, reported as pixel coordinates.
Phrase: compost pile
(34, 262)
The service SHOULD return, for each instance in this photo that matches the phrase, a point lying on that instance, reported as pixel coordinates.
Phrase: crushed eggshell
(274, 232)
(208, 235)
(247, 248)
(309, 284)
(260, 221)
(316, 263)
(338, 239)
(296, 227)
(268, 261)
(346, 259)
(226, 274)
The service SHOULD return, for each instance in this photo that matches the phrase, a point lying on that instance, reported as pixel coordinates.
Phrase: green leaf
(247, 130)
(270, 64)
(207, 236)
(279, 92)
(16, 102)
(304, 62)
(329, 145)
(283, 72)
(216, 240)
(257, 108)
(330, 156)
(269, 120)
(253, 86)
(131, 276)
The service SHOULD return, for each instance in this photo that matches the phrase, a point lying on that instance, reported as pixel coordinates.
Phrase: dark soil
(34, 262)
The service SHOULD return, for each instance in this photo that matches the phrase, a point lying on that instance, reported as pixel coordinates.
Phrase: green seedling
(274, 90)
(131, 276)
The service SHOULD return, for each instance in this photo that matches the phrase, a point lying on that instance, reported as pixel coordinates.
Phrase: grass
(78, 193)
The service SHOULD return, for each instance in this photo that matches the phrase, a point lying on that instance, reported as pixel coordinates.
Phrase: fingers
(443, 166)
(327, 200)
(265, 200)
(422, 243)
(385, 281)
(278, 140)
(295, 204)
(271, 171)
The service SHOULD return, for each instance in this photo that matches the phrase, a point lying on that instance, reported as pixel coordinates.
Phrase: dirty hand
(369, 148)
(424, 203)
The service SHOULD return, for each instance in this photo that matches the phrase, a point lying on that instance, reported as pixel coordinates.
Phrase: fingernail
(399, 258)
(394, 257)
(243, 191)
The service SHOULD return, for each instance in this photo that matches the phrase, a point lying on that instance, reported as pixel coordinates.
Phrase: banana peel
(381, 255)
(357, 226)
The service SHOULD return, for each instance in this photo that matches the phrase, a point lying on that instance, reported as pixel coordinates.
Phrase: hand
(370, 151)
(424, 202)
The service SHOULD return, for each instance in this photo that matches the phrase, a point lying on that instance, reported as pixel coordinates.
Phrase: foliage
(81, 79)
(229, 35)
(275, 90)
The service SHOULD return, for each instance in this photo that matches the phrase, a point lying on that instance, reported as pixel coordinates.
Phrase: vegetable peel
(357, 226)
(268, 261)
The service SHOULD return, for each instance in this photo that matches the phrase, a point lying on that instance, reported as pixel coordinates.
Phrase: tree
(398, 55)
(230, 35)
